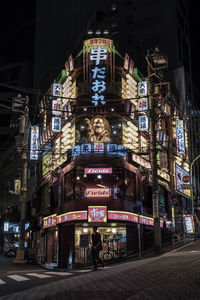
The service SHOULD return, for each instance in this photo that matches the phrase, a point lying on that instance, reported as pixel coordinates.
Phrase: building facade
(96, 168)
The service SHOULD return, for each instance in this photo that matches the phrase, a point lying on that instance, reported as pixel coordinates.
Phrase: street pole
(153, 159)
(21, 105)
(23, 203)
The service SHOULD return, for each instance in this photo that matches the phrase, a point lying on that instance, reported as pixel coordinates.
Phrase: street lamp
(192, 190)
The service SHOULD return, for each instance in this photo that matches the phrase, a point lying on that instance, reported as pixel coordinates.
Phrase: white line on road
(82, 271)
(2, 282)
(168, 253)
(18, 278)
(38, 275)
(58, 273)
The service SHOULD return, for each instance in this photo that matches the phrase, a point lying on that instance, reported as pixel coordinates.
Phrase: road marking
(18, 278)
(38, 275)
(82, 271)
(58, 273)
(2, 282)
(168, 253)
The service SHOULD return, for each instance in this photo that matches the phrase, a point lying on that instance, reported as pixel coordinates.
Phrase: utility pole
(21, 105)
(155, 62)
(154, 166)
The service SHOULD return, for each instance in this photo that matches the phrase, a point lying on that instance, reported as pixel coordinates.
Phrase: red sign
(122, 216)
(97, 213)
(98, 170)
(146, 220)
(49, 221)
(97, 193)
(72, 216)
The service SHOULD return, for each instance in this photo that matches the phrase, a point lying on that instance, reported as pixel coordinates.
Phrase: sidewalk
(135, 256)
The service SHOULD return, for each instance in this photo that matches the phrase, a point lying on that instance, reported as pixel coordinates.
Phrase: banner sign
(122, 216)
(182, 178)
(97, 213)
(98, 171)
(72, 216)
(50, 221)
(180, 137)
(34, 142)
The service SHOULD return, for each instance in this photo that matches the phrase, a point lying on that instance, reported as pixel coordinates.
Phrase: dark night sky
(17, 33)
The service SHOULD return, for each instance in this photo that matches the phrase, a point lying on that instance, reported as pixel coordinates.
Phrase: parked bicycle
(116, 248)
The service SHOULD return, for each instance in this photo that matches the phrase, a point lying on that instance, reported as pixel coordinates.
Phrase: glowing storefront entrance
(113, 238)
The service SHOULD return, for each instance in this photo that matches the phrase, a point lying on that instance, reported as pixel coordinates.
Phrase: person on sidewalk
(96, 248)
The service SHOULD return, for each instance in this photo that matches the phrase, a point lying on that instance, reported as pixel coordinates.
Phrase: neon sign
(97, 192)
(98, 75)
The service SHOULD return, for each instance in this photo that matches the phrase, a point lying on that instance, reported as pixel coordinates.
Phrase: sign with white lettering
(97, 192)
(142, 89)
(180, 137)
(97, 213)
(98, 171)
(98, 75)
(143, 123)
(34, 142)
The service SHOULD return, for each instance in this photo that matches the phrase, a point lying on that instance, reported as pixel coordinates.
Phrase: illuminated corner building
(140, 25)
(95, 164)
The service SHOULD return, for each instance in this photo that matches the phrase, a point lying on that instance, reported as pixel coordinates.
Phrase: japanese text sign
(34, 142)
(180, 138)
(143, 123)
(97, 213)
(142, 89)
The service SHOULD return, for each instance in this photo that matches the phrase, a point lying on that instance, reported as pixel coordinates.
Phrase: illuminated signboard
(188, 221)
(98, 54)
(142, 89)
(56, 107)
(146, 220)
(99, 147)
(143, 104)
(143, 123)
(49, 221)
(182, 178)
(6, 226)
(97, 192)
(72, 216)
(180, 137)
(98, 171)
(34, 142)
(111, 149)
(56, 124)
(46, 163)
(97, 213)
(98, 42)
(56, 89)
(122, 216)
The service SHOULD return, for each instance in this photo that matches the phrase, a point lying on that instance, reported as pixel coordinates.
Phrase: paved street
(174, 275)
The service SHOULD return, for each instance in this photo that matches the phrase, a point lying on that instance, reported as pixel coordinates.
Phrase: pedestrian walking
(96, 248)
